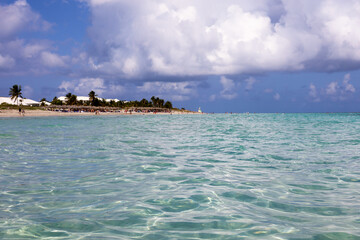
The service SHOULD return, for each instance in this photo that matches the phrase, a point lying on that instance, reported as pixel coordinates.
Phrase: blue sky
(225, 56)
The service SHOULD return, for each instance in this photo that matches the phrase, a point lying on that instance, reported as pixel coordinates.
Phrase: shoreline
(12, 113)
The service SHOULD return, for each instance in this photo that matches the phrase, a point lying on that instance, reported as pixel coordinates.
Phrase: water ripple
(257, 176)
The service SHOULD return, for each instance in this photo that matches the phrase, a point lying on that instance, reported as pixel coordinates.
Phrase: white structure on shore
(85, 99)
(78, 98)
(22, 101)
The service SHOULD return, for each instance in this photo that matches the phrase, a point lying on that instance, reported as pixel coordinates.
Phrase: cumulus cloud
(52, 60)
(83, 86)
(168, 37)
(17, 17)
(348, 87)
(249, 83)
(229, 91)
(19, 56)
(313, 93)
(176, 91)
(6, 61)
(277, 96)
(340, 91)
(332, 88)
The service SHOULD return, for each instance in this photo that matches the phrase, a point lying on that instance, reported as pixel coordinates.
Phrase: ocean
(216, 176)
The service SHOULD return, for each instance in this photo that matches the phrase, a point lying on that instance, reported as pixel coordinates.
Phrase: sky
(222, 56)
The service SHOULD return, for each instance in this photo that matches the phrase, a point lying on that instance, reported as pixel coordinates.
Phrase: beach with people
(73, 105)
(49, 113)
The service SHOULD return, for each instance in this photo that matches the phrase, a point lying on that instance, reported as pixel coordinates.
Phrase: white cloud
(332, 88)
(67, 86)
(17, 17)
(133, 37)
(277, 96)
(33, 50)
(17, 55)
(229, 91)
(341, 91)
(83, 86)
(313, 93)
(249, 83)
(347, 86)
(52, 60)
(6, 61)
(176, 91)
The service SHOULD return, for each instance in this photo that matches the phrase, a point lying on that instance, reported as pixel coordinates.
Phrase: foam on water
(261, 176)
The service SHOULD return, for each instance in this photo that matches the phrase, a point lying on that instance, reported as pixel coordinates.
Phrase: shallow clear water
(257, 176)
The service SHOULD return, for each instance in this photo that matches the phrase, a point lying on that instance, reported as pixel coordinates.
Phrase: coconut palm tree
(153, 100)
(161, 103)
(92, 97)
(15, 93)
(68, 96)
(168, 104)
(71, 99)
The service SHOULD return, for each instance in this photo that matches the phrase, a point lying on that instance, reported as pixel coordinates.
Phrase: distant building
(46, 103)
(79, 98)
(115, 100)
(85, 98)
(22, 101)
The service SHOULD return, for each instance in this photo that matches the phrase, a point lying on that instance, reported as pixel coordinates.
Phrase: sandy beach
(44, 113)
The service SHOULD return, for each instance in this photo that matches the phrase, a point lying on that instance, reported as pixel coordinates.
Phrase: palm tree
(153, 100)
(71, 99)
(161, 103)
(56, 101)
(92, 97)
(144, 103)
(68, 96)
(168, 104)
(15, 93)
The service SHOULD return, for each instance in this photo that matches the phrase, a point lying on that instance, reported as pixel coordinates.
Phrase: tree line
(71, 99)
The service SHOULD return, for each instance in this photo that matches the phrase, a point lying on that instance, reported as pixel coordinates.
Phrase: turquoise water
(257, 176)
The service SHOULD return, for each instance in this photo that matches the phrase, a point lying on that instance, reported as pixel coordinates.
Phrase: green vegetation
(15, 93)
(71, 99)
(93, 99)
(11, 106)
(56, 101)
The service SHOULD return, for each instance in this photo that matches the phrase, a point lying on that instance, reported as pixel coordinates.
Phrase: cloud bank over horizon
(136, 39)
(187, 38)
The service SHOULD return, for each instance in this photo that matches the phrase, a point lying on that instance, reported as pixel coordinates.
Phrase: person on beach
(19, 111)
(23, 112)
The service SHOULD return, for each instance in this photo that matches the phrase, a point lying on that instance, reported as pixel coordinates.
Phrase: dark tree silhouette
(15, 93)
